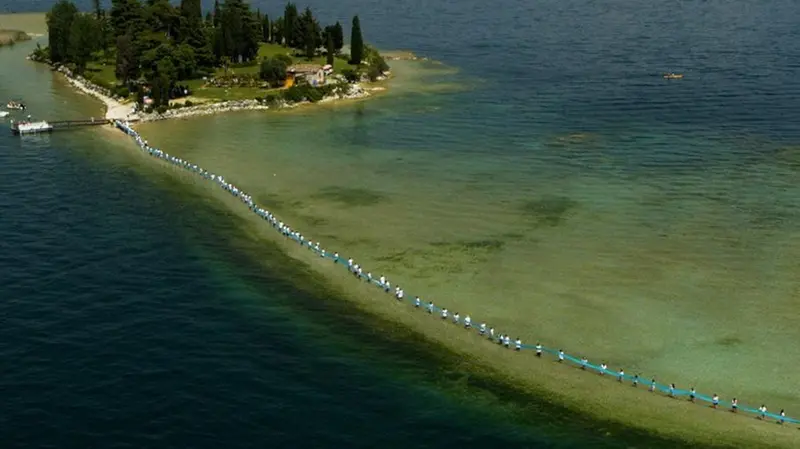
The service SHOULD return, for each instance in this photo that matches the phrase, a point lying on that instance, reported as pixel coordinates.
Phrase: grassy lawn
(101, 72)
(270, 50)
(221, 93)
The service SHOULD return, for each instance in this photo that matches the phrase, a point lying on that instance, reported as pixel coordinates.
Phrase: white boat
(4, 114)
(15, 105)
(19, 128)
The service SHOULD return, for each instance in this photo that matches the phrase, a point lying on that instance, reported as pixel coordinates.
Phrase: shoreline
(677, 419)
(116, 109)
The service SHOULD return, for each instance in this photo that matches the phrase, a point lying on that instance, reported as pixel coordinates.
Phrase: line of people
(384, 283)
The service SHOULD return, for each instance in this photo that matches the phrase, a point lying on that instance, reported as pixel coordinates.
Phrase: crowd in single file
(483, 329)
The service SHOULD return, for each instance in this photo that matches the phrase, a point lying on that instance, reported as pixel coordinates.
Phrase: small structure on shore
(313, 74)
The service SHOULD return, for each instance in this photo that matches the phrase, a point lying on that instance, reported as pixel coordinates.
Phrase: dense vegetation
(154, 46)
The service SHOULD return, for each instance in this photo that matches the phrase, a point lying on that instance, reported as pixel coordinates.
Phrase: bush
(305, 92)
(294, 94)
(161, 109)
(188, 103)
(273, 70)
(122, 91)
(351, 75)
(272, 98)
(286, 59)
(373, 73)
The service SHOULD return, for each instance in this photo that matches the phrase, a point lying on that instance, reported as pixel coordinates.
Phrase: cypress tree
(59, 27)
(290, 28)
(191, 9)
(82, 41)
(310, 39)
(338, 37)
(329, 47)
(266, 29)
(217, 13)
(356, 43)
(98, 10)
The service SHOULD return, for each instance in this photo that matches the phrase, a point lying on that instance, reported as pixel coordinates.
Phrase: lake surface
(544, 177)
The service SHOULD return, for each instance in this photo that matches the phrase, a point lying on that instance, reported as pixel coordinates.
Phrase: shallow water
(592, 205)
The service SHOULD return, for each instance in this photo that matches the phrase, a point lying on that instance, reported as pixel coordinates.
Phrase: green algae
(350, 196)
(548, 210)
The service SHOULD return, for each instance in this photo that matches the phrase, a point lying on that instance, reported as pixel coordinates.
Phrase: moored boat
(673, 76)
(19, 128)
(18, 105)
(4, 114)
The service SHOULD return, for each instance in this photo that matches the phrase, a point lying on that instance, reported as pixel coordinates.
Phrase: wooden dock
(67, 124)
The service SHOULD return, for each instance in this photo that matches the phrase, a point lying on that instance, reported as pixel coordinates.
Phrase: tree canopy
(158, 43)
(356, 42)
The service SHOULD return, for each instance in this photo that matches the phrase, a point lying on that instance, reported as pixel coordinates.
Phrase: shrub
(373, 73)
(351, 75)
(272, 98)
(273, 70)
(286, 59)
(188, 103)
(161, 109)
(294, 94)
(122, 91)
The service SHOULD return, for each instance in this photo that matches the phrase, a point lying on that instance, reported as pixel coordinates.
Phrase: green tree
(59, 28)
(163, 17)
(217, 13)
(277, 31)
(266, 29)
(239, 33)
(273, 71)
(161, 80)
(290, 28)
(311, 39)
(192, 10)
(98, 9)
(338, 37)
(127, 17)
(183, 57)
(329, 48)
(127, 67)
(356, 43)
(82, 41)
(195, 34)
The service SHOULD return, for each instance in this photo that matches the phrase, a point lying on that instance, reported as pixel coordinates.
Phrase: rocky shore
(123, 109)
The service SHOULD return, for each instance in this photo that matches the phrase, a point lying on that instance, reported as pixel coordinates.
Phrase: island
(157, 58)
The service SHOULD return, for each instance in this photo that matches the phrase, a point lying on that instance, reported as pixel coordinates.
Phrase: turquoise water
(649, 222)
(135, 316)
